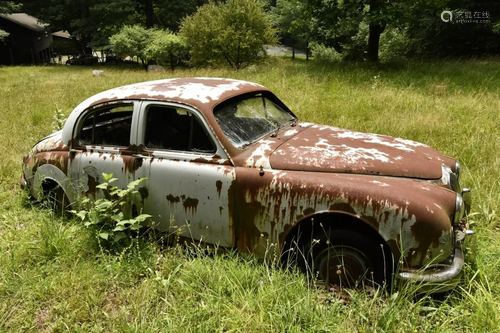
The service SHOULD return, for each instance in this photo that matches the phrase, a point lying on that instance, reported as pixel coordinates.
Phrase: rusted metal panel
(190, 198)
(411, 216)
(318, 148)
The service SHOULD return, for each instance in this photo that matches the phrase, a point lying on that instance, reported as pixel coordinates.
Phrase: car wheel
(54, 197)
(348, 259)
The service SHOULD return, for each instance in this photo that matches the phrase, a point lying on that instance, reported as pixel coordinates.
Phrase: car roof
(201, 92)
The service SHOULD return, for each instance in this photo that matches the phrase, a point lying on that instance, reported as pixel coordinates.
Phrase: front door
(189, 174)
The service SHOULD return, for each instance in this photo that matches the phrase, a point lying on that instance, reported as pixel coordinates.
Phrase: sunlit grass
(54, 277)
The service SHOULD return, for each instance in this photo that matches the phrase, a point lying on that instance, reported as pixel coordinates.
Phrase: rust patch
(342, 207)
(92, 184)
(218, 184)
(263, 204)
(143, 191)
(172, 199)
(190, 204)
(332, 149)
(60, 159)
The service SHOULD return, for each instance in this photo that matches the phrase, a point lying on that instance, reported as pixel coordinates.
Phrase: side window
(175, 129)
(108, 126)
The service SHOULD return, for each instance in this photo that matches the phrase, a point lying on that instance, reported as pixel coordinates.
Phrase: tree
(90, 22)
(354, 27)
(166, 47)
(291, 18)
(132, 41)
(161, 45)
(7, 7)
(433, 37)
(168, 14)
(234, 33)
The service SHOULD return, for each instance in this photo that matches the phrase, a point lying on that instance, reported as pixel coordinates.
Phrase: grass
(54, 277)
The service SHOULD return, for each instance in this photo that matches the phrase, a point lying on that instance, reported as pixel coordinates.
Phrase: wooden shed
(28, 42)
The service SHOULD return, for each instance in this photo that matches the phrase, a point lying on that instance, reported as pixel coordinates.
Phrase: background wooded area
(332, 29)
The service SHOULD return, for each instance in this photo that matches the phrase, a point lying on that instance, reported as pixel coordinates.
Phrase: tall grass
(54, 277)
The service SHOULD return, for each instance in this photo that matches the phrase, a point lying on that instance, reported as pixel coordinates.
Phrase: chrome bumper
(442, 277)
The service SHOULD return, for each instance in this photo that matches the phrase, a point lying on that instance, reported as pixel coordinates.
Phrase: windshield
(247, 119)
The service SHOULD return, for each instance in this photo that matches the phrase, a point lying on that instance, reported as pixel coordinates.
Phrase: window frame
(267, 95)
(76, 142)
(179, 154)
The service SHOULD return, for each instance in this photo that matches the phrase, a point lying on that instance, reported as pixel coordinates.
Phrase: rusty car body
(229, 159)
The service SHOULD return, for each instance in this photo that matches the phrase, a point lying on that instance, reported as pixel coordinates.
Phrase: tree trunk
(376, 30)
(149, 13)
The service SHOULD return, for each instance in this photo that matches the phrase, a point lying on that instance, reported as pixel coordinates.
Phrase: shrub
(166, 47)
(113, 219)
(132, 41)
(233, 33)
(322, 53)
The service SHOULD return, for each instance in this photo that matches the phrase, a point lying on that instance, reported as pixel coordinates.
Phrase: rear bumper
(23, 182)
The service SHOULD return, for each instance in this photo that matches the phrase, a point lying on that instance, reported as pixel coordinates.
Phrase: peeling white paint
(379, 183)
(171, 89)
(290, 132)
(48, 143)
(259, 156)
(401, 144)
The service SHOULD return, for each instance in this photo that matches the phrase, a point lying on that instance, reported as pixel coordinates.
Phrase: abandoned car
(228, 159)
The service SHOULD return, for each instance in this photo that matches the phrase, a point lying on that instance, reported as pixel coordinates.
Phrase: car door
(103, 142)
(189, 174)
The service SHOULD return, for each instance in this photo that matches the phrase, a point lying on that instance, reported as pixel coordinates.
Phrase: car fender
(413, 217)
(46, 172)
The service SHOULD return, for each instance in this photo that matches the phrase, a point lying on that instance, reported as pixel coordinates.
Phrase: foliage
(147, 44)
(169, 13)
(132, 41)
(429, 36)
(358, 29)
(59, 119)
(232, 33)
(3, 34)
(166, 47)
(7, 7)
(395, 44)
(291, 18)
(90, 23)
(112, 217)
(324, 54)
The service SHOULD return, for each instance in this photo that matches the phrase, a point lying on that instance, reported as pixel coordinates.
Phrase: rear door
(103, 142)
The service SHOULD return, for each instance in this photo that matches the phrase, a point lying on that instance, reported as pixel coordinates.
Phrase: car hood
(331, 149)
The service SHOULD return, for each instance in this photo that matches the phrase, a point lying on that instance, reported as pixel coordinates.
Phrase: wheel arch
(311, 225)
(47, 177)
